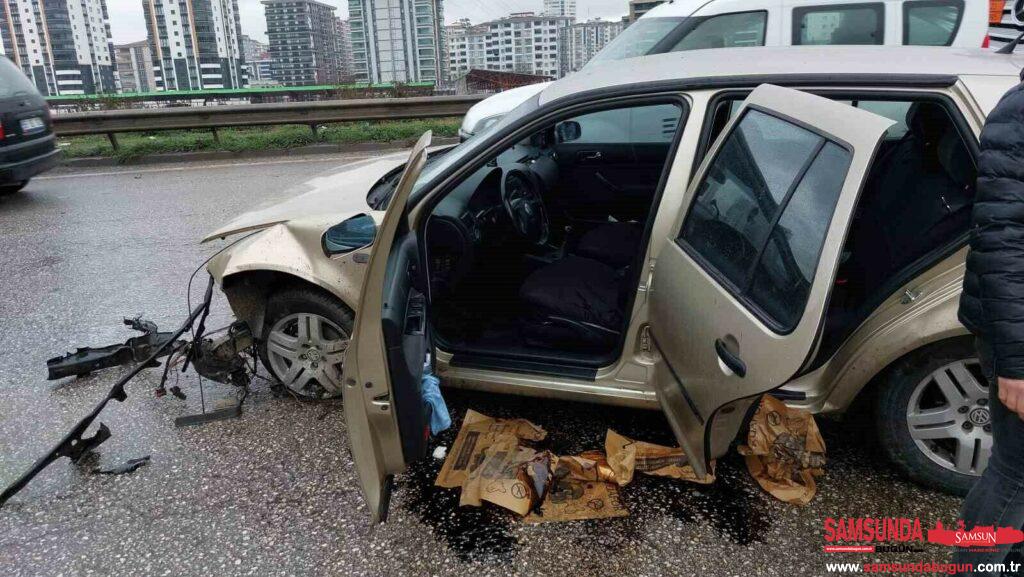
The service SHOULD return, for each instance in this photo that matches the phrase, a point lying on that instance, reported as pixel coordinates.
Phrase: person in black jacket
(992, 308)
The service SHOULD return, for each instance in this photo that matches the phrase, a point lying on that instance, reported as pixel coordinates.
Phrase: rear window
(638, 39)
(839, 24)
(725, 31)
(12, 81)
(761, 213)
(932, 22)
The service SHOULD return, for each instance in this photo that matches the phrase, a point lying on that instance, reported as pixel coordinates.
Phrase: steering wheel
(525, 207)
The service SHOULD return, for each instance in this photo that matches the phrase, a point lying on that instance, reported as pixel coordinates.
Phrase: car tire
(305, 331)
(932, 418)
(12, 188)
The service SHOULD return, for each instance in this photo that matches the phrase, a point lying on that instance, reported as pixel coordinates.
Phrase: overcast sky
(128, 25)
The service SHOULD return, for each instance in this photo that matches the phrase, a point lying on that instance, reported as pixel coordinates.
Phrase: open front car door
(386, 418)
(741, 286)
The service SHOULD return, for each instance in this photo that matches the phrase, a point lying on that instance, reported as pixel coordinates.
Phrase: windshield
(465, 151)
(638, 39)
(12, 81)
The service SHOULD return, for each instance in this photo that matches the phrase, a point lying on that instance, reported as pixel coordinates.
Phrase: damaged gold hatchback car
(686, 231)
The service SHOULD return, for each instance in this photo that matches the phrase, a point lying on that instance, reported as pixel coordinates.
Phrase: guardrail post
(113, 140)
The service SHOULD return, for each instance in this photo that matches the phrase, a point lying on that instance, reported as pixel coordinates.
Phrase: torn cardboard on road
(626, 456)
(583, 487)
(477, 433)
(784, 451)
(487, 460)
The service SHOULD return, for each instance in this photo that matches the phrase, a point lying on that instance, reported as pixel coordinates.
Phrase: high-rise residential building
(303, 38)
(560, 8)
(522, 42)
(135, 66)
(253, 50)
(346, 63)
(638, 8)
(196, 43)
(465, 47)
(64, 46)
(580, 41)
(398, 40)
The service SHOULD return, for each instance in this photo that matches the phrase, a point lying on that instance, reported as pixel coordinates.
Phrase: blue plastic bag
(440, 420)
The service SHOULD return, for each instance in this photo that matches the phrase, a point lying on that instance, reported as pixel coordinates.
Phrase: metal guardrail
(312, 114)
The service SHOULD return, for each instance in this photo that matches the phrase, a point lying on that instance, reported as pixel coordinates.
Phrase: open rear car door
(386, 418)
(740, 288)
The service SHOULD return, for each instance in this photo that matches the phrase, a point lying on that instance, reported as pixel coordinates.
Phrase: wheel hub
(979, 416)
(949, 419)
(306, 352)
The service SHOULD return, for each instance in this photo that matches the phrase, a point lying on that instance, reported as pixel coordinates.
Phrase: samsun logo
(976, 537)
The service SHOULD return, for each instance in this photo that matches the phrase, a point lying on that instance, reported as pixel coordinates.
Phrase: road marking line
(201, 166)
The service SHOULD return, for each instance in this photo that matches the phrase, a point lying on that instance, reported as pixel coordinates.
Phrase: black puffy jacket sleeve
(992, 305)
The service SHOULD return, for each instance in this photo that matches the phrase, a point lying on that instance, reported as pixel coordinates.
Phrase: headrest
(928, 121)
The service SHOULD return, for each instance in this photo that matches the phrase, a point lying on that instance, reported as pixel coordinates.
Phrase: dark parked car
(27, 144)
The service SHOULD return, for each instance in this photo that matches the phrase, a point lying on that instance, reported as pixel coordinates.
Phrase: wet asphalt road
(274, 492)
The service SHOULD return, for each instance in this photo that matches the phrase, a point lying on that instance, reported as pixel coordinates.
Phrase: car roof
(807, 64)
(675, 8)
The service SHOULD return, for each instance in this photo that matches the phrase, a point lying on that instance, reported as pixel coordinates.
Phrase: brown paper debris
(626, 456)
(570, 499)
(784, 451)
(477, 433)
(501, 477)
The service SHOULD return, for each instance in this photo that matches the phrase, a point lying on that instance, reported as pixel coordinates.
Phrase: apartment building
(523, 42)
(303, 39)
(560, 8)
(135, 66)
(64, 46)
(346, 63)
(253, 50)
(196, 44)
(465, 47)
(398, 40)
(638, 8)
(582, 40)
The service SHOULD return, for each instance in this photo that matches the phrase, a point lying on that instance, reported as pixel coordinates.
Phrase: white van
(698, 24)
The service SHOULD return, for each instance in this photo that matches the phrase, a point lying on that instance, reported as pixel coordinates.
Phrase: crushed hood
(338, 192)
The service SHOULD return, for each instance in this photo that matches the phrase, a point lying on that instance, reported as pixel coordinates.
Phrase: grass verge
(137, 145)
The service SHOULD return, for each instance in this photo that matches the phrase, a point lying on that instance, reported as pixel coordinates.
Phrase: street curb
(207, 155)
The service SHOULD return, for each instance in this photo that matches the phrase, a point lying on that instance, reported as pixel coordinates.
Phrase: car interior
(531, 257)
(535, 257)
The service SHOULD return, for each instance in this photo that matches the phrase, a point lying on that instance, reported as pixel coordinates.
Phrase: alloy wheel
(949, 417)
(306, 353)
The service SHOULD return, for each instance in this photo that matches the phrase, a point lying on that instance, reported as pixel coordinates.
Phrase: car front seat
(574, 301)
(615, 244)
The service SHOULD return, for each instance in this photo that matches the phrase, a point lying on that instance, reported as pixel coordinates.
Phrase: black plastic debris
(128, 466)
(136, 349)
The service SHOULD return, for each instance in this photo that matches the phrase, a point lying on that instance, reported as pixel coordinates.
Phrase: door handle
(588, 155)
(730, 360)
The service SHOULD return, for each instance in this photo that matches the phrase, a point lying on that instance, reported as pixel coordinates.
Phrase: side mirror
(348, 235)
(570, 130)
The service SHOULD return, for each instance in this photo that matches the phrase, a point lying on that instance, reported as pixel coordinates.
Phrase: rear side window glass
(783, 278)
(762, 212)
(725, 31)
(639, 125)
(839, 24)
(743, 190)
(12, 81)
(932, 22)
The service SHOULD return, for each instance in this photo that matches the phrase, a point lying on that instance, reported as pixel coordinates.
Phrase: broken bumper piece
(136, 349)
